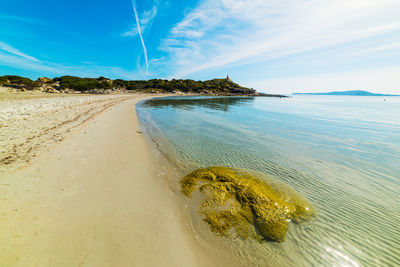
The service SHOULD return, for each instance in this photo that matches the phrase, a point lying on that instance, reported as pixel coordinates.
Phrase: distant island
(349, 93)
(102, 85)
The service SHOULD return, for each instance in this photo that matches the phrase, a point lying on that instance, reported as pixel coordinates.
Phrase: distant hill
(102, 85)
(349, 93)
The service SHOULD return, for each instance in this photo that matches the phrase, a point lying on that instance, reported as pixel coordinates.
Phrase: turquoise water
(342, 153)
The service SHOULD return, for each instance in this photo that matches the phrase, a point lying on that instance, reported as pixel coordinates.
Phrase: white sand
(30, 125)
(94, 199)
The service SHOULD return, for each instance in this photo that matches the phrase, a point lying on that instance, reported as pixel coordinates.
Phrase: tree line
(214, 86)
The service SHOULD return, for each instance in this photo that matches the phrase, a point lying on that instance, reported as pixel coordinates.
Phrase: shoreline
(96, 199)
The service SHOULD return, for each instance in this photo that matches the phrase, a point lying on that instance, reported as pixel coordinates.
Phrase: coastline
(96, 198)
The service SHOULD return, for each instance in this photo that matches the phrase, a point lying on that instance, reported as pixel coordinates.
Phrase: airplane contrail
(140, 34)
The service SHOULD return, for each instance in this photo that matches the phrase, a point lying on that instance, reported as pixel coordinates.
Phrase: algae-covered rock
(238, 201)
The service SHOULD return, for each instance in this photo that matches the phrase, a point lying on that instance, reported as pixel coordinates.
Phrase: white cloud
(224, 33)
(146, 21)
(20, 19)
(83, 70)
(391, 46)
(8, 48)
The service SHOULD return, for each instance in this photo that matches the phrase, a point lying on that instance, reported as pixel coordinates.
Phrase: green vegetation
(236, 201)
(72, 83)
(83, 84)
(18, 82)
(215, 86)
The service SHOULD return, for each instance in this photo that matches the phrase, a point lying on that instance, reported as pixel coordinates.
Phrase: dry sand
(30, 125)
(94, 199)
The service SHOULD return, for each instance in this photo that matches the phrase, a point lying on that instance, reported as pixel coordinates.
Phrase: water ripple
(346, 168)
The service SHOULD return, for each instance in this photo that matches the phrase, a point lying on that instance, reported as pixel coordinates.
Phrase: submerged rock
(246, 203)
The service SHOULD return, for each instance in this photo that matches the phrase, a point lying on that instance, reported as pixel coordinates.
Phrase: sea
(342, 153)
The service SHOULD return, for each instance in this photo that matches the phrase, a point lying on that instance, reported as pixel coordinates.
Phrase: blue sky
(271, 45)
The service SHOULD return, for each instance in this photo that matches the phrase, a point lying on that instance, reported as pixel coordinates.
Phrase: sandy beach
(79, 186)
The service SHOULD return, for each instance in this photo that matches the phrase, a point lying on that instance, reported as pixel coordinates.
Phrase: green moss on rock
(240, 202)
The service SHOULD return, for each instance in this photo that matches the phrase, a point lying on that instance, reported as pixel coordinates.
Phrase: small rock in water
(246, 203)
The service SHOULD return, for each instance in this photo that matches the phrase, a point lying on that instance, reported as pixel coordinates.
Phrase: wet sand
(82, 188)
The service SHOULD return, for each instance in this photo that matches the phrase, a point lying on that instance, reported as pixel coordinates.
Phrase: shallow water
(342, 153)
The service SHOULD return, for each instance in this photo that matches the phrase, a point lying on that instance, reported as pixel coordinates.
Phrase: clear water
(342, 153)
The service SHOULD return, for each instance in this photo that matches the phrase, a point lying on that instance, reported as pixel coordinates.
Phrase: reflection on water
(341, 153)
(190, 103)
